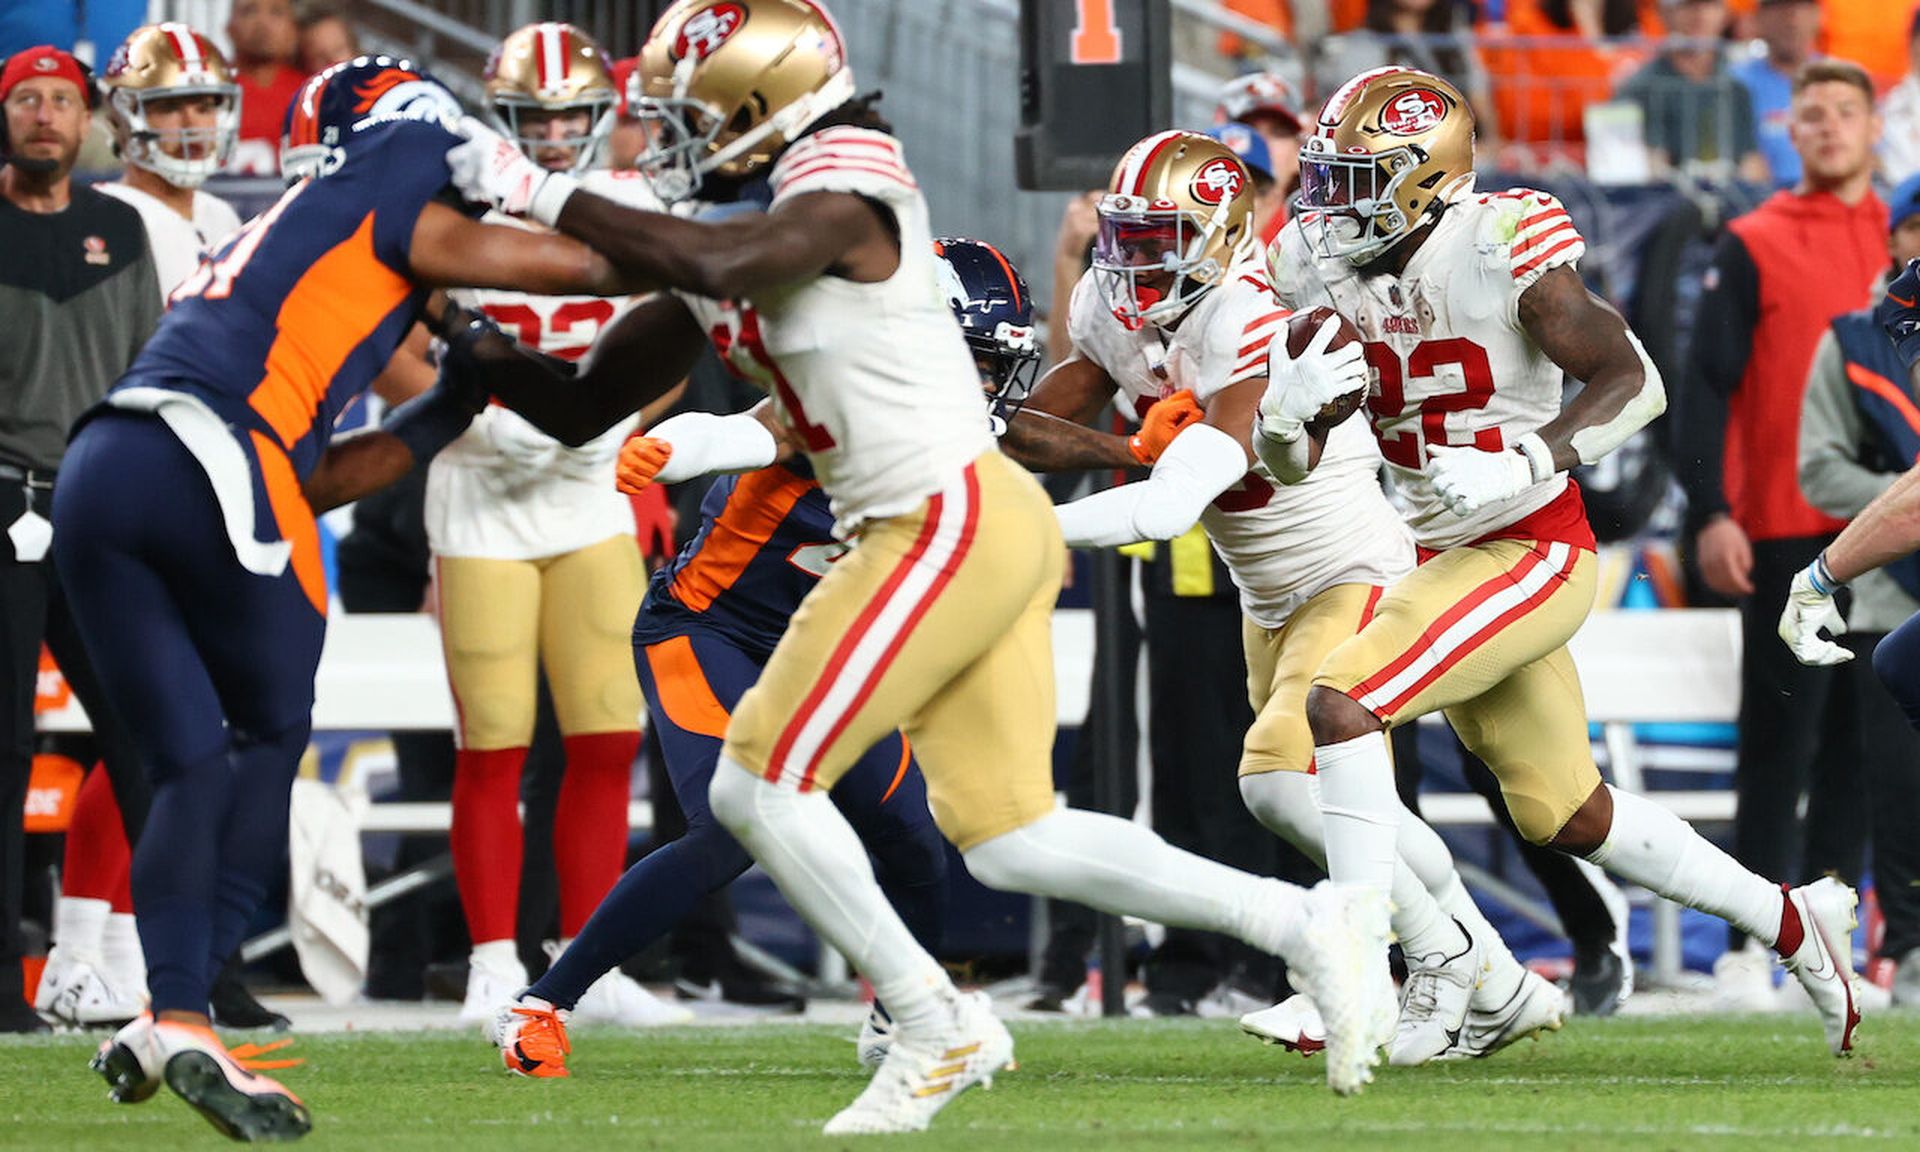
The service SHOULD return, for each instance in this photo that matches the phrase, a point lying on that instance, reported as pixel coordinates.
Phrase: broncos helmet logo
(704, 32)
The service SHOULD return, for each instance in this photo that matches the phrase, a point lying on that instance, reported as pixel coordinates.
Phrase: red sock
(590, 842)
(97, 856)
(1792, 932)
(486, 839)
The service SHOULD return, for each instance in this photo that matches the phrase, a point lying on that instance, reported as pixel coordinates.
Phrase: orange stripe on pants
(685, 695)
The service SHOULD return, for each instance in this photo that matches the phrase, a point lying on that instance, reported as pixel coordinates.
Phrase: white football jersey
(1283, 543)
(506, 490)
(1450, 361)
(875, 378)
(178, 243)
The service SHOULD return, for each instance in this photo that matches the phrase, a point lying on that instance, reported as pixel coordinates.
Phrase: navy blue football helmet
(995, 312)
(351, 96)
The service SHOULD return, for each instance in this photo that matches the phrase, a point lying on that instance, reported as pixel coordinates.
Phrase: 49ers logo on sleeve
(1218, 180)
(704, 31)
(1414, 111)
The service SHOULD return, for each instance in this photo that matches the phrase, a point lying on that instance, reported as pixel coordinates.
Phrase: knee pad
(1285, 803)
(730, 796)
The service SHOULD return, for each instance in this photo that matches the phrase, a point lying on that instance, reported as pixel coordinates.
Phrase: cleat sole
(267, 1117)
(127, 1082)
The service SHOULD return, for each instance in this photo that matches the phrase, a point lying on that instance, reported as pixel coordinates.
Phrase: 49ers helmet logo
(1414, 111)
(1218, 181)
(704, 31)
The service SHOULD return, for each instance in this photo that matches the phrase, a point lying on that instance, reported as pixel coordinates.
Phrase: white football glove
(490, 169)
(1469, 479)
(1297, 389)
(1808, 610)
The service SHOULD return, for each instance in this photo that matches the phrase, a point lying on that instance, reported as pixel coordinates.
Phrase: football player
(710, 622)
(175, 112)
(186, 516)
(1473, 315)
(938, 621)
(536, 566)
(1177, 303)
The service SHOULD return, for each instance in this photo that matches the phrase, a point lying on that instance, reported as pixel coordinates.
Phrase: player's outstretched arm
(1049, 433)
(1200, 463)
(1590, 341)
(695, 444)
(1888, 529)
(636, 360)
(448, 250)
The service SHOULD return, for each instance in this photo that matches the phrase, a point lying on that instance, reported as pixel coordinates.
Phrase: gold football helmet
(1177, 215)
(546, 68)
(723, 85)
(1388, 147)
(165, 62)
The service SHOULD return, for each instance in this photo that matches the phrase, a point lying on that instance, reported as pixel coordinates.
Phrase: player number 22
(1407, 446)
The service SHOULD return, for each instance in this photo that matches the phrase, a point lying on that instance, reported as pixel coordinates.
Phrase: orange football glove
(641, 459)
(1162, 423)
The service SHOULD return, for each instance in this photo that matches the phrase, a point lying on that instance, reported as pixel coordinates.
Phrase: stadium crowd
(1806, 112)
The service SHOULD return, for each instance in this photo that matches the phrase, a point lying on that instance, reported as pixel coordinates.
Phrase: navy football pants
(886, 806)
(210, 667)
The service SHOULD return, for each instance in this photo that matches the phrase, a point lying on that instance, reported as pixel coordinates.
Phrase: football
(1301, 327)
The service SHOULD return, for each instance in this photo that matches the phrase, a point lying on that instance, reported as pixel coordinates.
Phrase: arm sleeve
(1201, 463)
(1831, 474)
(704, 443)
(1722, 343)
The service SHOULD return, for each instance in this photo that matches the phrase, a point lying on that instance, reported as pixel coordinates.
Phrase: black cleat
(268, 1113)
(1599, 983)
(234, 1007)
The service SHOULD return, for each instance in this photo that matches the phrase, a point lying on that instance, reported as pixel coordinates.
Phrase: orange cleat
(242, 1104)
(532, 1037)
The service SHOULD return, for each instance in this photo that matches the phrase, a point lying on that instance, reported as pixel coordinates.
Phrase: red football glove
(1162, 423)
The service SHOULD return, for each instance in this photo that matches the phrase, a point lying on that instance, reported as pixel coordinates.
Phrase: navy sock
(175, 865)
(648, 902)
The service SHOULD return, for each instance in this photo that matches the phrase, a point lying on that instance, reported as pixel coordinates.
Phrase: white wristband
(551, 197)
(1539, 456)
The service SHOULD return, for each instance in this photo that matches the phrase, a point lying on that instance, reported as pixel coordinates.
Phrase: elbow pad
(1201, 463)
(703, 443)
(1593, 443)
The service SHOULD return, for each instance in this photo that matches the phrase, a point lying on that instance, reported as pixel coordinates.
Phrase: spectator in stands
(1432, 35)
(80, 299)
(1265, 102)
(1856, 439)
(1779, 274)
(265, 41)
(325, 38)
(1900, 110)
(1789, 29)
(1269, 198)
(1542, 88)
(1699, 119)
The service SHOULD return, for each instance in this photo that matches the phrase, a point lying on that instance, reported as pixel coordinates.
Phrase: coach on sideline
(79, 293)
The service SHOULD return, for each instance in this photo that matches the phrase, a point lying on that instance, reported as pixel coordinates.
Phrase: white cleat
(59, 959)
(131, 1062)
(490, 988)
(80, 995)
(876, 1037)
(1293, 1024)
(1433, 1007)
(617, 998)
(923, 1074)
(1342, 964)
(1824, 961)
(241, 1103)
(1537, 1005)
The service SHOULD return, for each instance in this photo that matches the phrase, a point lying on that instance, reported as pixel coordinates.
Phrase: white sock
(80, 926)
(1503, 972)
(1119, 867)
(1286, 802)
(496, 955)
(819, 865)
(1360, 810)
(1650, 846)
(120, 951)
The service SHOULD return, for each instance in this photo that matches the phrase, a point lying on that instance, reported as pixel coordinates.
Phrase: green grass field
(1643, 1084)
